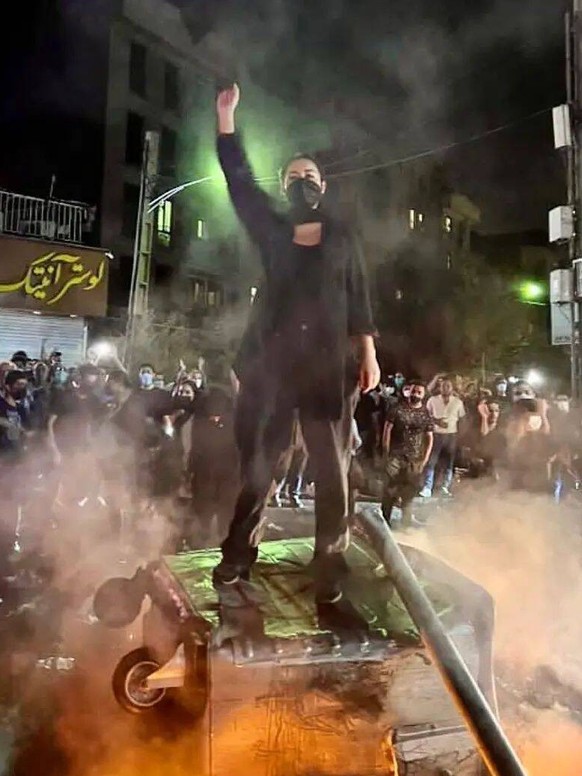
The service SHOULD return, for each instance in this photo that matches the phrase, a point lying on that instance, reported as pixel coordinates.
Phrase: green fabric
(284, 590)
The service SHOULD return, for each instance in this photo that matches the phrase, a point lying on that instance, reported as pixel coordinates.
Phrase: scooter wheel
(129, 683)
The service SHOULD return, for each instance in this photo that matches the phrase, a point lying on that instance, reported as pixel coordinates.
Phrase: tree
(487, 322)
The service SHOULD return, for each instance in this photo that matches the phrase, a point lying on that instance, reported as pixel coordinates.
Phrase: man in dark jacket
(308, 347)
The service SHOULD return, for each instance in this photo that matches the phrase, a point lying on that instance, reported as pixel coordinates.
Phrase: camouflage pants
(402, 481)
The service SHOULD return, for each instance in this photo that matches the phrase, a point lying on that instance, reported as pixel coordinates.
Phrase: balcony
(46, 219)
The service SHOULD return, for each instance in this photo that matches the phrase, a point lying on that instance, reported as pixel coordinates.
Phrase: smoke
(420, 77)
(526, 553)
(521, 549)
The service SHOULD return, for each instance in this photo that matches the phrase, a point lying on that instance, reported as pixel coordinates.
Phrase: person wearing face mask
(310, 341)
(530, 446)
(146, 376)
(522, 390)
(13, 417)
(197, 380)
(407, 441)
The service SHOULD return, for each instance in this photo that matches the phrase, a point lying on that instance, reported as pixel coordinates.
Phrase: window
(421, 218)
(134, 137)
(448, 224)
(130, 206)
(171, 87)
(168, 152)
(412, 219)
(449, 261)
(201, 231)
(137, 69)
(165, 223)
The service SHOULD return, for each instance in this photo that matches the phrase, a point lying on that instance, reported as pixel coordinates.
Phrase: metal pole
(571, 182)
(575, 88)
(129, 329)
(142, 248)
(494, 747)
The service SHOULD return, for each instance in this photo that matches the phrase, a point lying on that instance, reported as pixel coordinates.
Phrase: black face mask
(304, 196)
(416, 401)
(18, 393)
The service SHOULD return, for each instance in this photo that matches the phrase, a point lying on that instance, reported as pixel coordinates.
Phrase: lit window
(448, 224)
(421, 218)
(253, 294)
(449, 261)
(201, 232)
(412, 218)
(211, 299)
(165, 223)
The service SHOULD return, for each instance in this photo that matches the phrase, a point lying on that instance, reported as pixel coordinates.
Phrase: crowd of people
(95, 437)
(95, 433)
(428, 432)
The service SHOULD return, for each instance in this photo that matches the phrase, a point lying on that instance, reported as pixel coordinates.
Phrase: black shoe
(276, 501)
(295, 502)
(226, 574)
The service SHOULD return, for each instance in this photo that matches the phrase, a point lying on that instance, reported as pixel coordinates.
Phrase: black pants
(263, 431)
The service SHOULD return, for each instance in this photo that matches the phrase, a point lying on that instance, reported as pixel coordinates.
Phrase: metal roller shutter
(26, 331)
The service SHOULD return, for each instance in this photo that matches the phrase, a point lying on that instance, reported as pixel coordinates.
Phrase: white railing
(48, 219)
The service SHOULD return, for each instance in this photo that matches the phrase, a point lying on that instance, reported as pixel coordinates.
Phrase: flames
(555, 748)
(530, 564)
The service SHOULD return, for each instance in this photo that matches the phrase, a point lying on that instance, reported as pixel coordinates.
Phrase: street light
(535, 378)
(532, 292)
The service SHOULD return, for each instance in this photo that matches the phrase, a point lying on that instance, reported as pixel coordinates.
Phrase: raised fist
(227, 100)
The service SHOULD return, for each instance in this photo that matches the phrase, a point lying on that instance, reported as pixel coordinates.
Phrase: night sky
(400, 77)
(417, 74)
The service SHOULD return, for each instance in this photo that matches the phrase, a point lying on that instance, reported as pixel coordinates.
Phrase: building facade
(51, 284)
(154, 77)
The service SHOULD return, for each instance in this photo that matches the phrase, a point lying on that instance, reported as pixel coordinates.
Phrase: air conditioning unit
(562, 126)
(577, 279)
(561, 286)
(561, 223)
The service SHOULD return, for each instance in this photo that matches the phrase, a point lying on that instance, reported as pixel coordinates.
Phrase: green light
(532, 291)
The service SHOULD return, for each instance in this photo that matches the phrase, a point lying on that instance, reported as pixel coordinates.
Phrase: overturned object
(269, 682)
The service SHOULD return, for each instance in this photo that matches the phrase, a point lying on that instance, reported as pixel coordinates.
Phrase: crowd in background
(99, 439)
(95, 435)
(452, 427)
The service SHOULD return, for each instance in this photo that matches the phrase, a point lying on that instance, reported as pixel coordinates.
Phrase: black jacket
(345, 297)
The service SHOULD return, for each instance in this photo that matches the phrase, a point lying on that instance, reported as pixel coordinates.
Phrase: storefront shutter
(26, 331)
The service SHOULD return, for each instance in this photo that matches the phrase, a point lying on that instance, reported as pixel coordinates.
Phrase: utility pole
(572, 85)
(566, 220)
(142, 247)
(574, 95)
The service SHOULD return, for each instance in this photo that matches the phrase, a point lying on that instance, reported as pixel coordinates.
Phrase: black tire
(134, 667)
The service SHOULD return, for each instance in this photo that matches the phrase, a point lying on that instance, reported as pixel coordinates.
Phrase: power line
(380, 166)
(439, 149)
